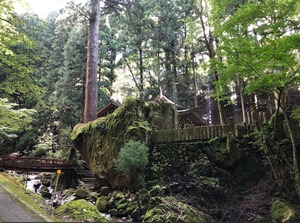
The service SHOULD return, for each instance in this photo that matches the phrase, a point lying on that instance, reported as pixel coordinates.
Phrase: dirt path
(11, 210)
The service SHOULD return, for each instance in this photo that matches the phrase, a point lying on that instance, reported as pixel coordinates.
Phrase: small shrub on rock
(132, 161)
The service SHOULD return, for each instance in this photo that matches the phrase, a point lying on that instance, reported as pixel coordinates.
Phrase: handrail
(36, 164)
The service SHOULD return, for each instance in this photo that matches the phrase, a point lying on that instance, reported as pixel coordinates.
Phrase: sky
(43, 7)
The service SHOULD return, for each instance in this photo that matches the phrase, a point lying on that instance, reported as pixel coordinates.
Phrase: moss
(81, 193)
(121, 201)
(225, 150)
(113, 212)
(168, 209)
(155, 215)
(77, 130)
(131, 207)
(282, 212)
(121, 206)
(80, 210)
(100, 141)
(101, 204)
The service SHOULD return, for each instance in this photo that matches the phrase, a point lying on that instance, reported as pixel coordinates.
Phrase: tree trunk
(210, 43)
(141, 72)
(294, 151)
(242, 101)
(194, 80)
(91, 89)
(255, 111)
(175, 95)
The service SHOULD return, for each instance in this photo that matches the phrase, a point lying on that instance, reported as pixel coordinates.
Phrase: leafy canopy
(13, 121)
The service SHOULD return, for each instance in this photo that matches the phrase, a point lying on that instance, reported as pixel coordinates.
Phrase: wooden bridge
(35, 164)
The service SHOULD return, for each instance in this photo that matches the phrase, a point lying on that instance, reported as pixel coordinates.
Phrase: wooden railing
(195, 133)
(35, 164)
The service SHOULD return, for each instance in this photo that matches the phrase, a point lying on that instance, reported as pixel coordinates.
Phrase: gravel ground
(11, 210)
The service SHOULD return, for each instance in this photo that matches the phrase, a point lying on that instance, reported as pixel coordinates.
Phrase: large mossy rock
(80, 210)
(283, 212)
(102, 204)
(100, 141)
(81, 193)
(168, 209)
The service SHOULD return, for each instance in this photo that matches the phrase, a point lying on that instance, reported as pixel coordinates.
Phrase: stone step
(87, 176)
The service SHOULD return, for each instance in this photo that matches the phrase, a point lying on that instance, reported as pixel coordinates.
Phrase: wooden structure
(109, 108)
(186, 117)
(35, 164)
(198, 133)
(190, 117)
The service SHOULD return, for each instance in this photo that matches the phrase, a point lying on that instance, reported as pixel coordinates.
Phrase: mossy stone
(46, 182)
(111, 202)
(80, 210)
(122, 206)
(283, 212)
(81, 193)
(94, 196)
(131, 207)
(101, 204)
(120, 213)
(119, 196)
(121, 201)
(113, 212)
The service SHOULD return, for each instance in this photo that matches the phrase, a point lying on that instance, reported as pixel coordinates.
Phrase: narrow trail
(11, 210)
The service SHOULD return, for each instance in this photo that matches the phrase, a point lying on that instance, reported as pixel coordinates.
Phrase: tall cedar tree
(91, 87)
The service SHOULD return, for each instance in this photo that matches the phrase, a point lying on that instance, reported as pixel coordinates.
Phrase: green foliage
(17, 60)
(168, 209)
(261, 47)
(296, 113)
(133, 159)
(13, 121)
(282, 212)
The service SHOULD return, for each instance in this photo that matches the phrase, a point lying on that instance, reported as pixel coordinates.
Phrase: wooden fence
(194, 133)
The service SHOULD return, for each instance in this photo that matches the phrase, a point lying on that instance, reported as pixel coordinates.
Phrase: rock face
(168, 209)
(100, 141)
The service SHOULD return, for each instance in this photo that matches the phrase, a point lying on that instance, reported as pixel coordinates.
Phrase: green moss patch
(80, 210)
(283, 212)
(168, 209)
(101, 204)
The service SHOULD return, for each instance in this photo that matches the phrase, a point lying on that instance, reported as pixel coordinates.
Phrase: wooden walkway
(35, 164)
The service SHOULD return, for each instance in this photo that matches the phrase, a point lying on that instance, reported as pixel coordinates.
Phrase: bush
(132, 160)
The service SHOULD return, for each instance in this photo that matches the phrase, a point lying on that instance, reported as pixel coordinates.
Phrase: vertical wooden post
(231, 125)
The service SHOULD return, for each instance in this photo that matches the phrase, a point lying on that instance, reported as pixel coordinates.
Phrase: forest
(226, 58)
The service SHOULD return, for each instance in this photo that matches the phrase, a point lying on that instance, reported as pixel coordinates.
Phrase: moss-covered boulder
(168, 209)
(100, 141)
(101, 204)
(46, 182)
(283, 212)
(81, 193)
(80, 210)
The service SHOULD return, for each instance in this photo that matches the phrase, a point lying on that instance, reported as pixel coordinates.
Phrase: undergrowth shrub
(132, 161)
